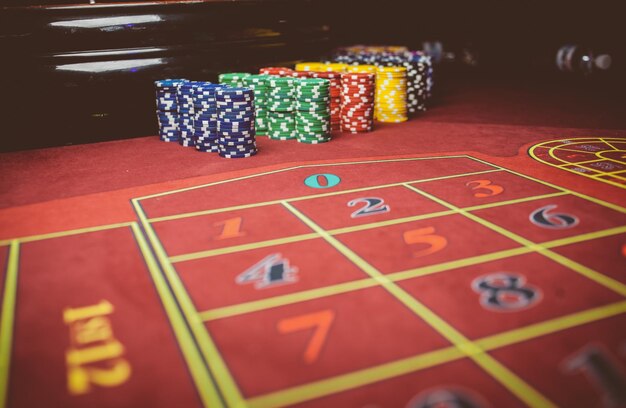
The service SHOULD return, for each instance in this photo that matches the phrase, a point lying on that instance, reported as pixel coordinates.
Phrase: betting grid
(276, 269)
(598, 158)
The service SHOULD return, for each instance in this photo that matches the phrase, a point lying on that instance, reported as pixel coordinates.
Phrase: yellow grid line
(561, 323)
(344, 230)
(579, 163)
(208, 348)
(39, 237)
(532, 149)
(7, 318)
(258, 305)
(603, 203)
(612, 173)
(238, 248)
(499, 372)
(604, 141)
(354, 379)
(385, 371)
(597, 277)
(304, 166)
(207, 392)
(308, 197)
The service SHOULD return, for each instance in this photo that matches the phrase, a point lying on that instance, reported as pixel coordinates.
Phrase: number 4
(320, 320)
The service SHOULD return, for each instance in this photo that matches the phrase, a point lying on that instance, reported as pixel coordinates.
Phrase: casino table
(474, 256)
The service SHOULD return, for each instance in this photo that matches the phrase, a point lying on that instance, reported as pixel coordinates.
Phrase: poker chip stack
(260, 85)
(276, 71)
(357, 102)
(429, 75)
(205, 116)
(167, 109)
(334, 79)
(391, 88)
(233, 79)
(281, 107)
(312, 110)
(235, 122)
(415, 86)
(184, 97)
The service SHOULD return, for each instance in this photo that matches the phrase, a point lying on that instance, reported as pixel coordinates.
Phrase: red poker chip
(328, 75)
(356, 125)
(357, 108)
(301, 74)
(356, 118)
(276, 71)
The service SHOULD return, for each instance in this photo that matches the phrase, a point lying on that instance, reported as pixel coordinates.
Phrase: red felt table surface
(445, 265)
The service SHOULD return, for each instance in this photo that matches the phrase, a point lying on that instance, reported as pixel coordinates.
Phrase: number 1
(232, 228)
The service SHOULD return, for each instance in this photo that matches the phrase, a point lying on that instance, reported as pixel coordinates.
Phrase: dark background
(48, 102)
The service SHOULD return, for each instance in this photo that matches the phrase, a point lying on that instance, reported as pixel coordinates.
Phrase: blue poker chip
(236, 121)
(236, 152)
(236, 115)
(234, 102)
(231, 143)
(167, 118)
(169, 82)
(235, 125)
(234, 93)
(236, 141)
(237, 132)
(203, 149)
(168, 108)
(242, 139)
(237, 156)
(237, 149)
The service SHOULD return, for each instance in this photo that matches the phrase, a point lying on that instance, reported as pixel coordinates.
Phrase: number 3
(485, 185)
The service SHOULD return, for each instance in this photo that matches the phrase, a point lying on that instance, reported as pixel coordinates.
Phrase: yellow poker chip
(335, 67)
(310, 66)
(370, 69)
(391, 94)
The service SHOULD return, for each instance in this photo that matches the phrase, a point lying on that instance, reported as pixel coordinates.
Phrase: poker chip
(167, 109)
(312, 98)
(280, 108)
(233, 79)
(391, 94)
(334, 79)
(236, 119)
(357, 101)
(205, 116)
(310, 66)
(259, 84)
(276, 71)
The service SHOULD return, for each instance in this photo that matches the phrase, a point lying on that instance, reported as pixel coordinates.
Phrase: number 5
(425, 236)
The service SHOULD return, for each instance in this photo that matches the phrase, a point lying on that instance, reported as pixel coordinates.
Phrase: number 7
(320, 320)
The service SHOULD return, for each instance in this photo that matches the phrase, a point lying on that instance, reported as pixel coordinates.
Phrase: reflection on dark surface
(85, 73)
(77, 72)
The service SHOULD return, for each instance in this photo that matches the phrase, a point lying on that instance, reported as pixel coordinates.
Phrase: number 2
(373, 206)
